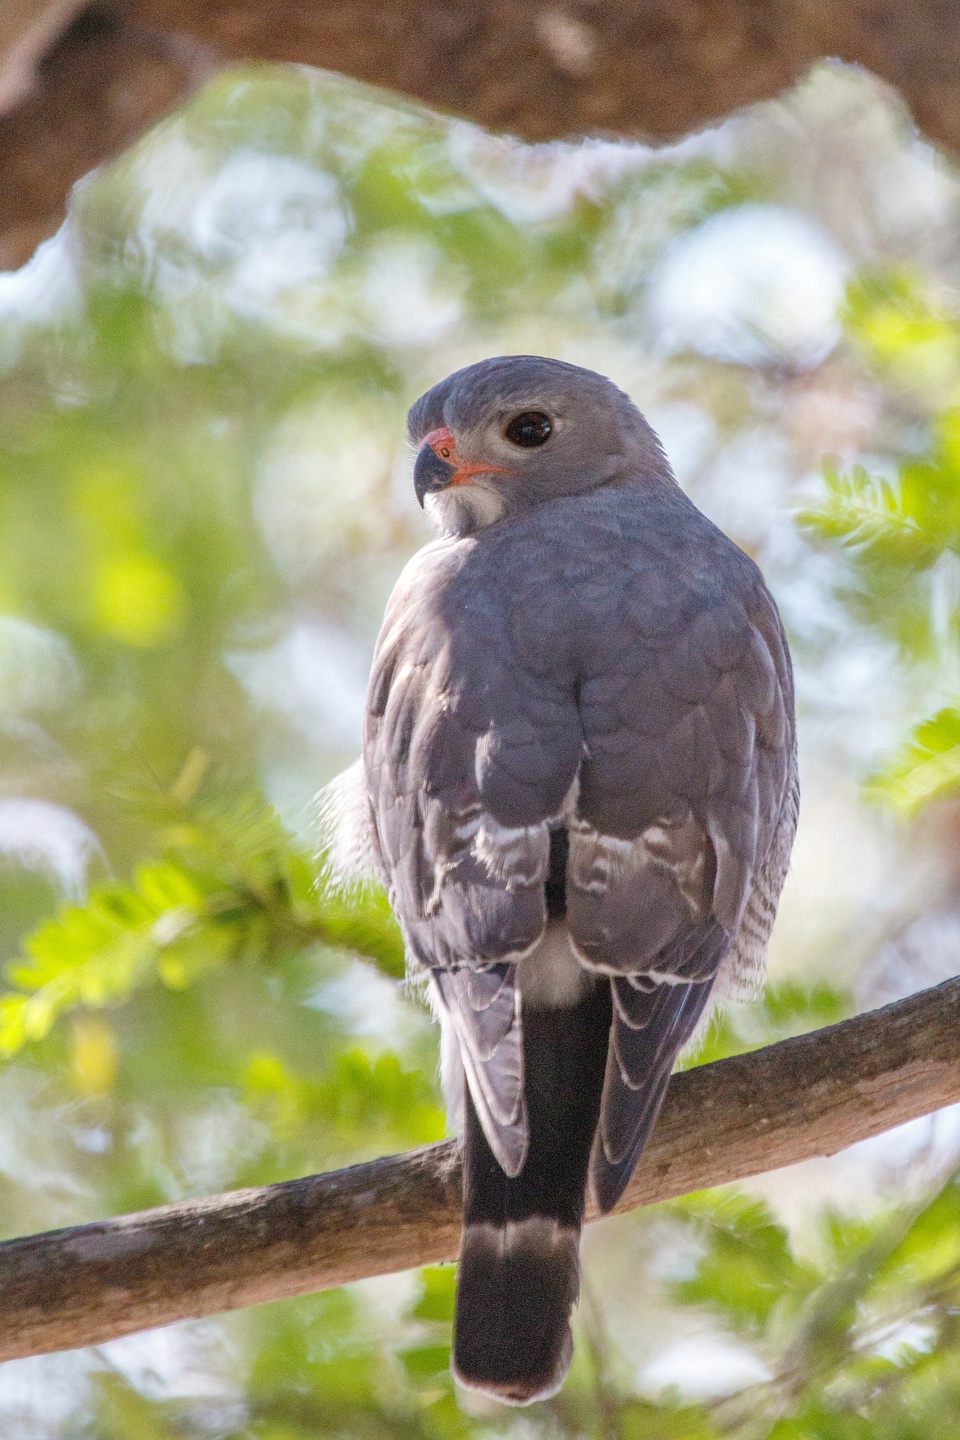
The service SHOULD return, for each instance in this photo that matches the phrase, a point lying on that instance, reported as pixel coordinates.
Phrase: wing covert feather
(468, 753)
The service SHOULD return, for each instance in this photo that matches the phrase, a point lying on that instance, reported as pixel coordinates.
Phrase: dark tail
(519, 1260)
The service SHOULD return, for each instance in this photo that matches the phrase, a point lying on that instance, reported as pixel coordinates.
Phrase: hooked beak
(436, 463)
(438, 466)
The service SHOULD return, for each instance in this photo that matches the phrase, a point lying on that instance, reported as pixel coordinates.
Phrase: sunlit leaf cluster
(898, 529)
(230, 888)
(858, 1339)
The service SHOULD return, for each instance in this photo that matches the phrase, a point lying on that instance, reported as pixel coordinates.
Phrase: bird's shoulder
(630, 578)
(426, 573)
(625, 534)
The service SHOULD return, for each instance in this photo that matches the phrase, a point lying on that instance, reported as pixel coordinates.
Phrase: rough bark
(805, 1097)
(101, 84)
(540, 69)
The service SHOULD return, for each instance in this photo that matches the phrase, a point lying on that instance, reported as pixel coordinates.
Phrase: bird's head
(501, 436)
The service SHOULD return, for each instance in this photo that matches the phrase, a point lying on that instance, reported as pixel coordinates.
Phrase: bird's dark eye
(530, 429)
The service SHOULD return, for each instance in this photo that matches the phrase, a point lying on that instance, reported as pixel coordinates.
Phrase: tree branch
(541, 69)
(804, 1097)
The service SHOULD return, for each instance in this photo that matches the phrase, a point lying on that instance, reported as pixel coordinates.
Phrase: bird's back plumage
(579, 754)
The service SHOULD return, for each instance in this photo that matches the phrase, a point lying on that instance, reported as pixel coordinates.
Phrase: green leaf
(926, 769)
(365, 924)
(904, 331)
(785, 1008)
(747, 1267)
(867, 514)
(438, 1291)
(423, 1362)
(230, 886)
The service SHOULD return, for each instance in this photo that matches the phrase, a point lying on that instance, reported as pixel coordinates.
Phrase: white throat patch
(462, 509)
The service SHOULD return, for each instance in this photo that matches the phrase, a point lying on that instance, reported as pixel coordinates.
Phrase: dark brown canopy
(78, 83)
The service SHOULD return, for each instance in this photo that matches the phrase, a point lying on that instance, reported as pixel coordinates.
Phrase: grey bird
(579, 786)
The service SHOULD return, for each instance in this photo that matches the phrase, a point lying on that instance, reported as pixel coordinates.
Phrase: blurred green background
(205, 499)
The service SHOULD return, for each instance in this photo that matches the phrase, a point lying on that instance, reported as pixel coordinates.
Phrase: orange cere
(444, 446)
